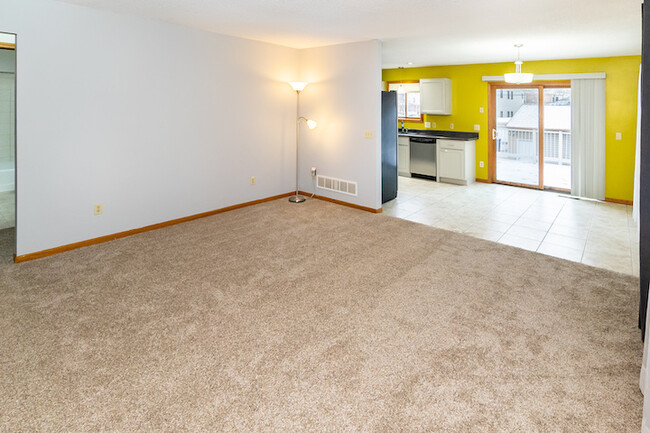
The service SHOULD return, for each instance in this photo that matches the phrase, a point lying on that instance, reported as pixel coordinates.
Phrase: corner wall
(155, 121)
(470, 92)
(343, 96)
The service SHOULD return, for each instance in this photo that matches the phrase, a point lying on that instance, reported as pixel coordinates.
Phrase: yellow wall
(470, 93)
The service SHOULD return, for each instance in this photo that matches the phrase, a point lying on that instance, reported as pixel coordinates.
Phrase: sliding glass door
(517, 136)
(519, 154)
(557, 138)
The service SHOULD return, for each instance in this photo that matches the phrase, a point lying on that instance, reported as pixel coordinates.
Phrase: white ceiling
(424, 32)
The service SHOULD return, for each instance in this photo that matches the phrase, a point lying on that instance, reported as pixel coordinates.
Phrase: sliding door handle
(494, 134)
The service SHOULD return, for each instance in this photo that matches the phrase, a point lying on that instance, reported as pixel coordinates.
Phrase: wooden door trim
(492, 157)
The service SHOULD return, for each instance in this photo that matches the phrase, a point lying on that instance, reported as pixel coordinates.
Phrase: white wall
(343, 97)
(153, 120)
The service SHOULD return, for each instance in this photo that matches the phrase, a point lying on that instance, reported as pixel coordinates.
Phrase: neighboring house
(518, 135)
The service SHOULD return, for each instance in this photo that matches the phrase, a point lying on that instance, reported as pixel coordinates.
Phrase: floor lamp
(298, 86)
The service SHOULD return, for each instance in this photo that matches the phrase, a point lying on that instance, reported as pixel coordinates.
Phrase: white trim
(544, 77)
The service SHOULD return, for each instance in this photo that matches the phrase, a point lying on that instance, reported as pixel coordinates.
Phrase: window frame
(407, 119)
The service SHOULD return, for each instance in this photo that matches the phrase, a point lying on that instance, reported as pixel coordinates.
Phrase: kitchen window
(408, 100)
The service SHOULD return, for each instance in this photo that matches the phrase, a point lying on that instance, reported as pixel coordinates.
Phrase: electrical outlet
(252, 180)
(369, 133)
(433, 124)
(99, 209)
(313, 172)
(477, 127)
(481, 164)
(427, 124)
(451, 126)
(619, 135)
(481, 110)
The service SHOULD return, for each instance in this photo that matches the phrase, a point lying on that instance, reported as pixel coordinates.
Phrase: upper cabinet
(435, 96)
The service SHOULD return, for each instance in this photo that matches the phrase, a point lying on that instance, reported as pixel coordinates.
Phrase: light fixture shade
(311, 124)
(298, 85)
(518, 77)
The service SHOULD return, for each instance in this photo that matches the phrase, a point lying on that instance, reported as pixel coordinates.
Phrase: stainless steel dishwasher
(423, 156)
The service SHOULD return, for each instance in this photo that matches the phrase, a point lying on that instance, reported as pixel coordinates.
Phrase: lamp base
(296, 199)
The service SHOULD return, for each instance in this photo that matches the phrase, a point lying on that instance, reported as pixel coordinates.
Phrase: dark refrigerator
(388, 146)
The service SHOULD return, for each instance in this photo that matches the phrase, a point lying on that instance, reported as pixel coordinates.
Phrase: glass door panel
(517, 136)
(557, 138)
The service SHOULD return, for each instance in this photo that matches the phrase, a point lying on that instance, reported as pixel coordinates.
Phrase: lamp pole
(297, 198)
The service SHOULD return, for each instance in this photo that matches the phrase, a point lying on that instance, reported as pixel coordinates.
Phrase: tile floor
(595, 233)
(7, 209)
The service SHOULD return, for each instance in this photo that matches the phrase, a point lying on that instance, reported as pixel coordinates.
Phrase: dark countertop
(451, 135)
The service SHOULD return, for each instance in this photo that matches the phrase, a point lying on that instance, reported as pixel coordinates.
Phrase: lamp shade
(518, 77)
(311, 124)
(298, 85)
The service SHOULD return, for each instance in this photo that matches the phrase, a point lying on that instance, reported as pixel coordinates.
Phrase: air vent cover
(338, 185)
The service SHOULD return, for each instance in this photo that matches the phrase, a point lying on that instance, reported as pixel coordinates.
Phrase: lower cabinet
(403, 156)
(456, 161)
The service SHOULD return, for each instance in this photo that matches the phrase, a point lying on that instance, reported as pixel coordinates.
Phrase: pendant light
(518, 77)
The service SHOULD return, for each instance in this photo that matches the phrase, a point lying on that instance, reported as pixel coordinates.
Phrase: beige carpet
(315, 318)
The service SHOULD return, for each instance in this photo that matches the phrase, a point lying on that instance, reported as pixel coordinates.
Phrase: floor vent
(338, 185)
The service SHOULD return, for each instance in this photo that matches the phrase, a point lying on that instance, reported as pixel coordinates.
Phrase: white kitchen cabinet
(456, 161)
(403, 156)
(435, 96)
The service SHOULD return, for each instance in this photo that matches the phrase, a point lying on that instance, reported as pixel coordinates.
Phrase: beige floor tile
(575, 255)
(547, 217)
(519, 242)
(565, 241)
(398, 212)
(574, 232)
(409, 205)
(580, 223)
(451, 224)
(492, 225)
(526, 232)
(509, 208)
(502, 217)
(533, 224)
(614, 262)
(598, 242)
(483, 233)
(602, 234)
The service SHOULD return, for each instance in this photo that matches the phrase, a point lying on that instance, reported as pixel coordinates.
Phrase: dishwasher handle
(423, 140)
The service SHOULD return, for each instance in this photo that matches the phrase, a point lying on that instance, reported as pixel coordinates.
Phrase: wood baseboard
(482, 180)
(615, 200)
(342, 203)
(107, 238)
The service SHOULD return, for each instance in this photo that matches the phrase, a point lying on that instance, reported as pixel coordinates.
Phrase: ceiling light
(518, 77)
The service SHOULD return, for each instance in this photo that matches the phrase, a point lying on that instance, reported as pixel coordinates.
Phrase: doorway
(530, 143)
(7, 143)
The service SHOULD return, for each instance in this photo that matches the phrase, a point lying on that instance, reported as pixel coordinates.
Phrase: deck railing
(521, 144)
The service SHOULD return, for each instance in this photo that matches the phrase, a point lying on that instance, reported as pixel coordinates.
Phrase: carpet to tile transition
(315, 318)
